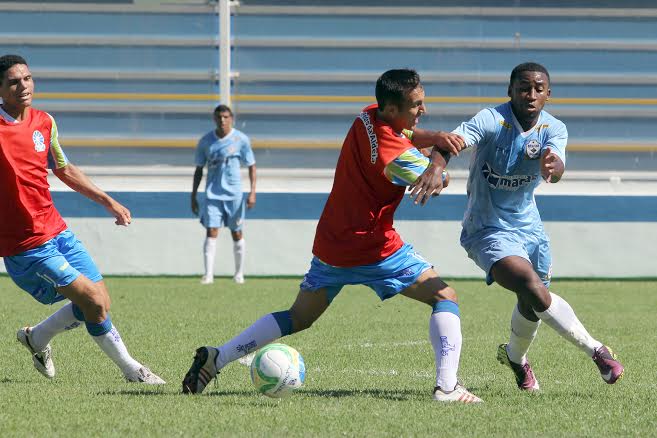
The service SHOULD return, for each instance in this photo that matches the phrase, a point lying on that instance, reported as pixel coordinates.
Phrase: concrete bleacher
(140, 75)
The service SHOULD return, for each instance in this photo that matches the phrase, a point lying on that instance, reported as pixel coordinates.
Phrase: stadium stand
(144, 74)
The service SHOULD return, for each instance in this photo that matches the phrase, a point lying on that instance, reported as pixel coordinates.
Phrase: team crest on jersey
(39, 143)
(532, 149)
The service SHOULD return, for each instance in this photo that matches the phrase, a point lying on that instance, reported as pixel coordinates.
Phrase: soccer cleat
(458, 394)
(207, 280)
(238, 278)
(42, 359)
(144, 375)
(525, 378)
(203, 370)
(610, 369)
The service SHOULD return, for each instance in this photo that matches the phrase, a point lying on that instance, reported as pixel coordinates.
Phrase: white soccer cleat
(459, 394)
(238, 278)
(207, 280)
(42, 359)
(144, 375)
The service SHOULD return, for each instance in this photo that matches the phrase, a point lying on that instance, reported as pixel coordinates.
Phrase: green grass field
(370, 367)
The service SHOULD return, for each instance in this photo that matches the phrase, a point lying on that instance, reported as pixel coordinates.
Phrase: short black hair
(394, 85)
(527, 66)
(223, 109)
(7, 62)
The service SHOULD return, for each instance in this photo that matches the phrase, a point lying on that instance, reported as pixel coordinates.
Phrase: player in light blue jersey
(517, 145)
(223, 150)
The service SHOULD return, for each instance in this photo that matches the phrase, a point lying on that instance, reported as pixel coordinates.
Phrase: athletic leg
(208, 361)
(445, 334)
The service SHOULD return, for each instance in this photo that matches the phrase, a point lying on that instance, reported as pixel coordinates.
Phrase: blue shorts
(488, 246)
(56, 263)
(387, 278)
(218, 214)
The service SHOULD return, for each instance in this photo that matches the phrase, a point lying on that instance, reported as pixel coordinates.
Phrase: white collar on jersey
(526, 133)
(214, 132)
(7, 117)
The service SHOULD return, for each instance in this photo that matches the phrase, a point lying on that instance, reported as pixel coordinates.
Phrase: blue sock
(77, 312)
(284, 320)
(99, 328)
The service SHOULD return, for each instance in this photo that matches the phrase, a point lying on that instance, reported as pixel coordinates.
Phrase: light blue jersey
(223, 157)
(504, 171)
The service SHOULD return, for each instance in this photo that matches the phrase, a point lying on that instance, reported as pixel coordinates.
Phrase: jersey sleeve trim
(406, 168)
(57, 155)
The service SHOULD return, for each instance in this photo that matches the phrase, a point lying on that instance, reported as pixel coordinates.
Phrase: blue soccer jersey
(223, 157)
(504, 171)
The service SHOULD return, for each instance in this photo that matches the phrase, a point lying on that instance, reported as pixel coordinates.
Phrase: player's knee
(301, 320)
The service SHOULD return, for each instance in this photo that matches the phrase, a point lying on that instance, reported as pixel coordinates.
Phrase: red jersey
(28, 217)
(356, 225)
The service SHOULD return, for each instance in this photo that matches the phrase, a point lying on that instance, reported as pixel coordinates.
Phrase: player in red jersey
(356, 243)
(40, 253)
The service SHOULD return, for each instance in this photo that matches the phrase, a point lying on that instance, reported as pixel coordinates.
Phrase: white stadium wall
(604, 234)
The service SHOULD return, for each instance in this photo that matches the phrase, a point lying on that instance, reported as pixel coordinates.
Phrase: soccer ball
(277, 370)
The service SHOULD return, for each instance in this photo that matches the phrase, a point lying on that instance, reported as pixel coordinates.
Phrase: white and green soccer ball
(277, 370)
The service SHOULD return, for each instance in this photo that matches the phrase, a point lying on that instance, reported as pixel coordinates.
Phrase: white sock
(62, 320)
(209, 251)
(445, 334)
(113, 346)
(523, 332)
(259, 334)
(239, 249)
(561, 317)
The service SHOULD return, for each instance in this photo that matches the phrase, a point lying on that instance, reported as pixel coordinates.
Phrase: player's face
(528, 93)
(17, 87)
(411, 110)
(224, 122)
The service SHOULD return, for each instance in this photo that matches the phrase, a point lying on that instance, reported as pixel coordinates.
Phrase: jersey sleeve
(199, 156)
(557, 140)
(56, 156)
(246, 153)
(475, 130)
(406, 168)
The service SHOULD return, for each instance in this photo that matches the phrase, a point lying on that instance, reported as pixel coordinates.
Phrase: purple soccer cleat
(610, 368)
(524, 375)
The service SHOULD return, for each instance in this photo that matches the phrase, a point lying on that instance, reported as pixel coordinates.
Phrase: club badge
(532, 149)
(39, 143)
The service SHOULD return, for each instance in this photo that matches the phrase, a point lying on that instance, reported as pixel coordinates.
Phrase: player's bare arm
(73, 177)
(251, 200)
(445, 141)
(430, 183)
(552, 167)
(198, 176)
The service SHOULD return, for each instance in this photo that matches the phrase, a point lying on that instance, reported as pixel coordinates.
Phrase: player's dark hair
(528, 66)
(394, 85)
(7, 62)
(223, 109)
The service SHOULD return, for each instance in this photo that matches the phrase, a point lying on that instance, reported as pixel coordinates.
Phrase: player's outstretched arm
(73, 177)
(552, 168)
(445, 141)
(430, 183)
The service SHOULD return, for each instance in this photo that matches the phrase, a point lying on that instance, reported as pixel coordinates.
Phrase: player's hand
(120, 213)
(251, 200)
(429, 184)
(551, 166)
(449, 142)
(194, 205)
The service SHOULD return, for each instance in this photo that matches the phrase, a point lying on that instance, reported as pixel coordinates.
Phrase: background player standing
(41, 255)
(356, 243)
(223, 150)
(517, 143)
